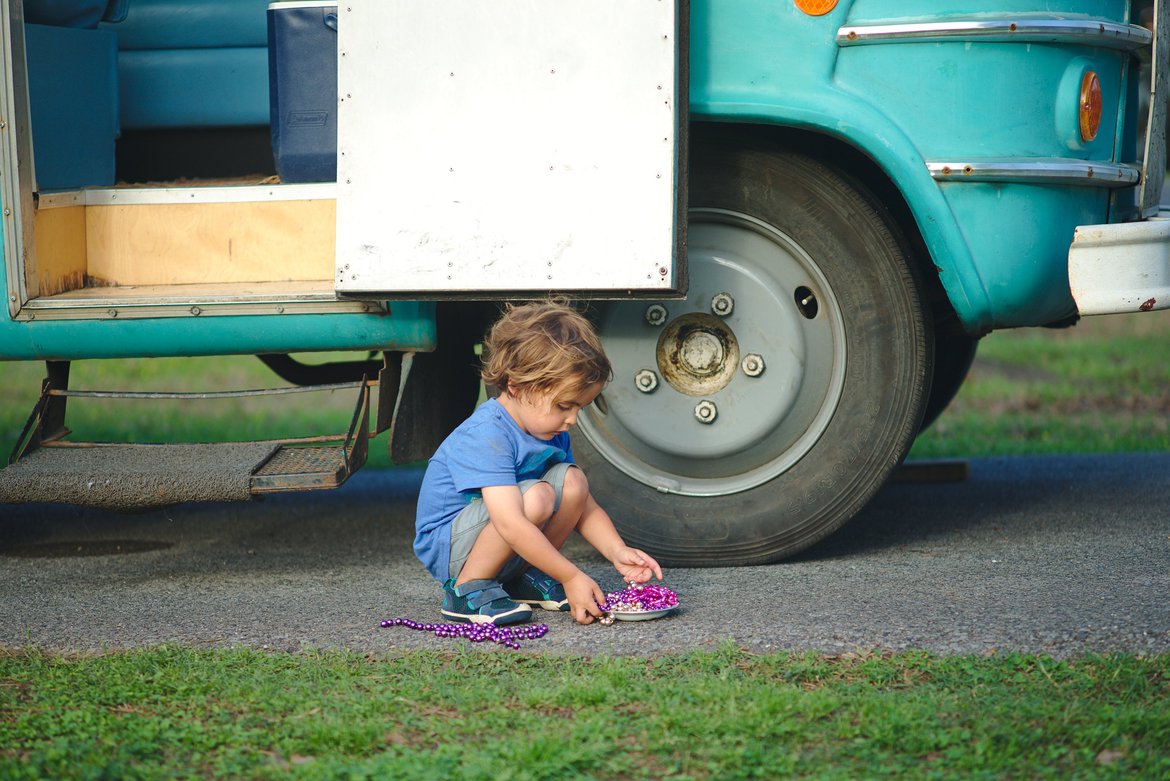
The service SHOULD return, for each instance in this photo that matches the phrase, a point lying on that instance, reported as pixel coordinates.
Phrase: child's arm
(598, 530)
(505, 506)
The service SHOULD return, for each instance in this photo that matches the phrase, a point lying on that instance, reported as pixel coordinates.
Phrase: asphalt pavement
(1055, 555)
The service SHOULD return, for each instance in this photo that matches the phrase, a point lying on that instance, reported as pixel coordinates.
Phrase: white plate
(639, 615)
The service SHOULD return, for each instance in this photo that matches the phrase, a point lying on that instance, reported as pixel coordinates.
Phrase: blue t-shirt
(487, 449)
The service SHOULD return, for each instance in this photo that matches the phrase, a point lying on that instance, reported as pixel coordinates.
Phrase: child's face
(546, 414)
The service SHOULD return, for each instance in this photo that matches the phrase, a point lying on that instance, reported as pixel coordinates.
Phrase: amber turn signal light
(1090, 108)
(816, 7)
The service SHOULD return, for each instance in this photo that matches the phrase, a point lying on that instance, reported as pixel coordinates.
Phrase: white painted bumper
(1121, 268)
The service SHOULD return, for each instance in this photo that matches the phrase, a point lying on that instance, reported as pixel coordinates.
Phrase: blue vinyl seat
(97, 67)
(73, 91)
(192, 63)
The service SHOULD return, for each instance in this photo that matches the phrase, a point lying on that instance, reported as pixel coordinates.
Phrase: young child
(501, 494)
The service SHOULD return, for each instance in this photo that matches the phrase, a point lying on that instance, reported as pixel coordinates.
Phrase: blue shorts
(472, 519)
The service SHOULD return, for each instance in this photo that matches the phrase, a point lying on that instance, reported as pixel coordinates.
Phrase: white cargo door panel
(510, 146)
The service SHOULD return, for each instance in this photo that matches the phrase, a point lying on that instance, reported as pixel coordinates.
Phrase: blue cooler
(302, 79)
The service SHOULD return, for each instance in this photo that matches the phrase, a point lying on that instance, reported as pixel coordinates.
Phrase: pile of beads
(640, 597)
(507, 636)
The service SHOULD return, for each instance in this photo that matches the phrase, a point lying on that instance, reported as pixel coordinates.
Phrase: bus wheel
(757, 416)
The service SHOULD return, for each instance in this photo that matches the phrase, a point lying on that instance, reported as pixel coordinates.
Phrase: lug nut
(646, 381)
(752, 365)
(656, 314)
(722, 304)
(705, 411)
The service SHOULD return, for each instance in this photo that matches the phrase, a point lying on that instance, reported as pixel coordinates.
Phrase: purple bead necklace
(507, 636)
(636, 597)
(640, 596)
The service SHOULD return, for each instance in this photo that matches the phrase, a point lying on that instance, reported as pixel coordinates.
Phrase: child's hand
(636, 566)
(585, 598)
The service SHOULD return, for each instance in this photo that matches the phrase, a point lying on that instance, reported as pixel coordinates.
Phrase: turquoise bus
(793, 220)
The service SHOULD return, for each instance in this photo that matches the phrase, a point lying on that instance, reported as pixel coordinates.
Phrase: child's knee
(576, 487)
(539, 502)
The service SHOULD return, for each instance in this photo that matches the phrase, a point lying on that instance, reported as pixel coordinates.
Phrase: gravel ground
(1055, 555)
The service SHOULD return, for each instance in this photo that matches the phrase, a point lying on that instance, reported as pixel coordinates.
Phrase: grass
(176, 713)
(1102, 386)
(171, 712)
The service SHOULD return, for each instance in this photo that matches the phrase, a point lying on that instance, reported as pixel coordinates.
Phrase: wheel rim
(726, 390)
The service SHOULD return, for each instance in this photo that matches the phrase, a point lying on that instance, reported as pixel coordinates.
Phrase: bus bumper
(1115, 269)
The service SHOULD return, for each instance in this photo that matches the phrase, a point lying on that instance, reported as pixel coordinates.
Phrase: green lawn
(494, 714)
(1102, 386)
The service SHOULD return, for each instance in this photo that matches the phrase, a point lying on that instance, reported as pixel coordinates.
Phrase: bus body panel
(1000, 248)
(410, 327)
(906, 103)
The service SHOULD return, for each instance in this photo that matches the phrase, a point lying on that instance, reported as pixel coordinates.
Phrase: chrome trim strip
(228, 194)
(244, 193)
(124, 309)
(1084, 173)
(16, 184)
(60, 200)
(65, 301)
(1113, 35)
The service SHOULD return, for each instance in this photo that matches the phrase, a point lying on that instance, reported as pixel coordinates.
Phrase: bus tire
(753, 419)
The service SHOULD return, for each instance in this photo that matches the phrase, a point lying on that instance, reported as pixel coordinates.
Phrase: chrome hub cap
(697, 354)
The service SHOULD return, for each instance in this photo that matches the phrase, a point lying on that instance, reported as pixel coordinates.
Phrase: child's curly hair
(544, 346)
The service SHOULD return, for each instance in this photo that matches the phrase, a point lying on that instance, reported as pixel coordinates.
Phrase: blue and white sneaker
(533, 587)
(481, 602)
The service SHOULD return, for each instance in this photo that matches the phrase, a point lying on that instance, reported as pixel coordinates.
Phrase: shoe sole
(547, 604)
(513, 616)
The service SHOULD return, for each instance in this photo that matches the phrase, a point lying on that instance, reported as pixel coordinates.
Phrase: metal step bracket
(315, 467)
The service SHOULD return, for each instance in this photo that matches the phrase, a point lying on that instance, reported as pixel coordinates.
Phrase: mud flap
(439, 389)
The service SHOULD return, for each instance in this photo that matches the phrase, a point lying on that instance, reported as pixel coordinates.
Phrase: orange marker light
(1090, 108)
(816, 7)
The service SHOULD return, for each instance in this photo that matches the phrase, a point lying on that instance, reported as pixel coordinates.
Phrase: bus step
(46, 466)
(135, 476)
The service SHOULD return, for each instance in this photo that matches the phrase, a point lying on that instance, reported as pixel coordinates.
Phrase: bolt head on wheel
(706, 412)
(646, 381)
(753, 365)
(722, 304)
